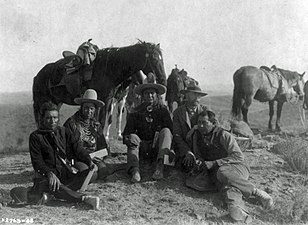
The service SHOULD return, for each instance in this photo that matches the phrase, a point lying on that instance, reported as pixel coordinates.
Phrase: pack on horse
(111, 67)
(265, 85)
(177, 81)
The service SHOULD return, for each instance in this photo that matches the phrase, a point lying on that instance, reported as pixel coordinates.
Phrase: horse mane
(288, 75)
(151, 47)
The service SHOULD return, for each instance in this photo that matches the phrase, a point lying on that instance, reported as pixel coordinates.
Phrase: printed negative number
(14, 220)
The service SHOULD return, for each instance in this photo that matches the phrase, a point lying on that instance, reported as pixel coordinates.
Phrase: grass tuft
(295, 153)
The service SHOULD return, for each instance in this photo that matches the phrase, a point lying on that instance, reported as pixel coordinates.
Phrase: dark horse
(264, 86)
(305, 103)
(176, 82)
(112, 69)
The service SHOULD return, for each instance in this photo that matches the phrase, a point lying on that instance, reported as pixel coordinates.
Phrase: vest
(211, 149)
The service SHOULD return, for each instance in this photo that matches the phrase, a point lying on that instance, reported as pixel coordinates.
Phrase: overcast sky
(210, 39)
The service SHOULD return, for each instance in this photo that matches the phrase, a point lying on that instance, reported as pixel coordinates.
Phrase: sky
(209, 39)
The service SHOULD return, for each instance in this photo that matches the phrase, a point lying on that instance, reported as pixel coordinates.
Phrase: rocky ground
(161, 202)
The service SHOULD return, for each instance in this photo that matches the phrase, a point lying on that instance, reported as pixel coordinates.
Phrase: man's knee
(165, 138)
(224, 173)
(131, 140)
(165, 131)
(81, 166)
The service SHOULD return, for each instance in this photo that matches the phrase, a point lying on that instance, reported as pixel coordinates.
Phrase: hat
(150, 82)
(193, 89)
(90, 95)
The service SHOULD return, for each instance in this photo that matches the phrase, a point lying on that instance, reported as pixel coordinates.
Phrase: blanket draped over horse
(112, 69)
(265, 85)
(177, 81)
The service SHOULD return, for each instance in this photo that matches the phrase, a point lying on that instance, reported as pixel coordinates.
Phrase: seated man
(184, 118)
(147, 133)
(89, 131)
(219, 158)
(50, 147)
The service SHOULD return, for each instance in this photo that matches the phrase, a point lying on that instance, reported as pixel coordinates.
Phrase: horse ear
(158, 45)
(303, 74)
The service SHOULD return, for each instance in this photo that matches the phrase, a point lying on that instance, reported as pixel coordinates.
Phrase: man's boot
(265, 198)
(135, 175)
(91, 200)
(159, 171)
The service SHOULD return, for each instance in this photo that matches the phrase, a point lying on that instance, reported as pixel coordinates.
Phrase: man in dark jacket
(148, 131)
(50, 147)
(184, 118)
(217, 155)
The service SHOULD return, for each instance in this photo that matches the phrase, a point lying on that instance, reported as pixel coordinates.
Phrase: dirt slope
(169, 201)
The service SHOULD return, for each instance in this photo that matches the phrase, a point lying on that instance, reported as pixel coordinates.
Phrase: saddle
(74, 71)
(276, 79)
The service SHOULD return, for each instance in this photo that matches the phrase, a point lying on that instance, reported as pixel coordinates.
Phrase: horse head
(294, 80)
(154, 61)
(298, 87)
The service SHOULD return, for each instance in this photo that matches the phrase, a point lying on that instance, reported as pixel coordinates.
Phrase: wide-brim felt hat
(161, 89)
(89, 96)
(193, 89)
(150, 83)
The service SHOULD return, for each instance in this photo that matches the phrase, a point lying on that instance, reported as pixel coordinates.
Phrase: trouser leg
(66, 191)
(132, 142)
(164, 142)
(234, 184)
(102, 169)
(81, 166)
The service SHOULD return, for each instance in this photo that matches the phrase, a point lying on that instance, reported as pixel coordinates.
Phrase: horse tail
(36, 100)
(40, 90)
(237, 94)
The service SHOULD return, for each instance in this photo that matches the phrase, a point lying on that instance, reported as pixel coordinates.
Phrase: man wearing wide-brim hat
(89, 130)
(148, 131)
(185, 118)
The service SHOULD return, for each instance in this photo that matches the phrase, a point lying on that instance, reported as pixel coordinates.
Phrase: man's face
(88, 110)
(205, 126)
(193, 99)
(149, 95)
(50, 120)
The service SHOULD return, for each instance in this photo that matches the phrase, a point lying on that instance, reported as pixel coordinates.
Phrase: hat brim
(161, 89)
(98, 103)
(192, 91)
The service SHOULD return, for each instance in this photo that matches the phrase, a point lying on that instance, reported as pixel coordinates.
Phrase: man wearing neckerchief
(90, 132)
(50, 148)
(148, 131)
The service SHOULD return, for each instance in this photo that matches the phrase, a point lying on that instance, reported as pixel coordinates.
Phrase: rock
(241, 128)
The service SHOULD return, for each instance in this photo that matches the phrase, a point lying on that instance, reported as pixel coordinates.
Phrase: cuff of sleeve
(189, 152)
(219, 162)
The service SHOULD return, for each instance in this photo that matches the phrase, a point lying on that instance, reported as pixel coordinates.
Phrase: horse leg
(245, 107)
(271, 114)
(119, 117)
(279, 110)
(108, 119)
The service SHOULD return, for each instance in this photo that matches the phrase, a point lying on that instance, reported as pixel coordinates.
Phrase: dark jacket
(144, 123)
(43, 150)
(181, 126)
